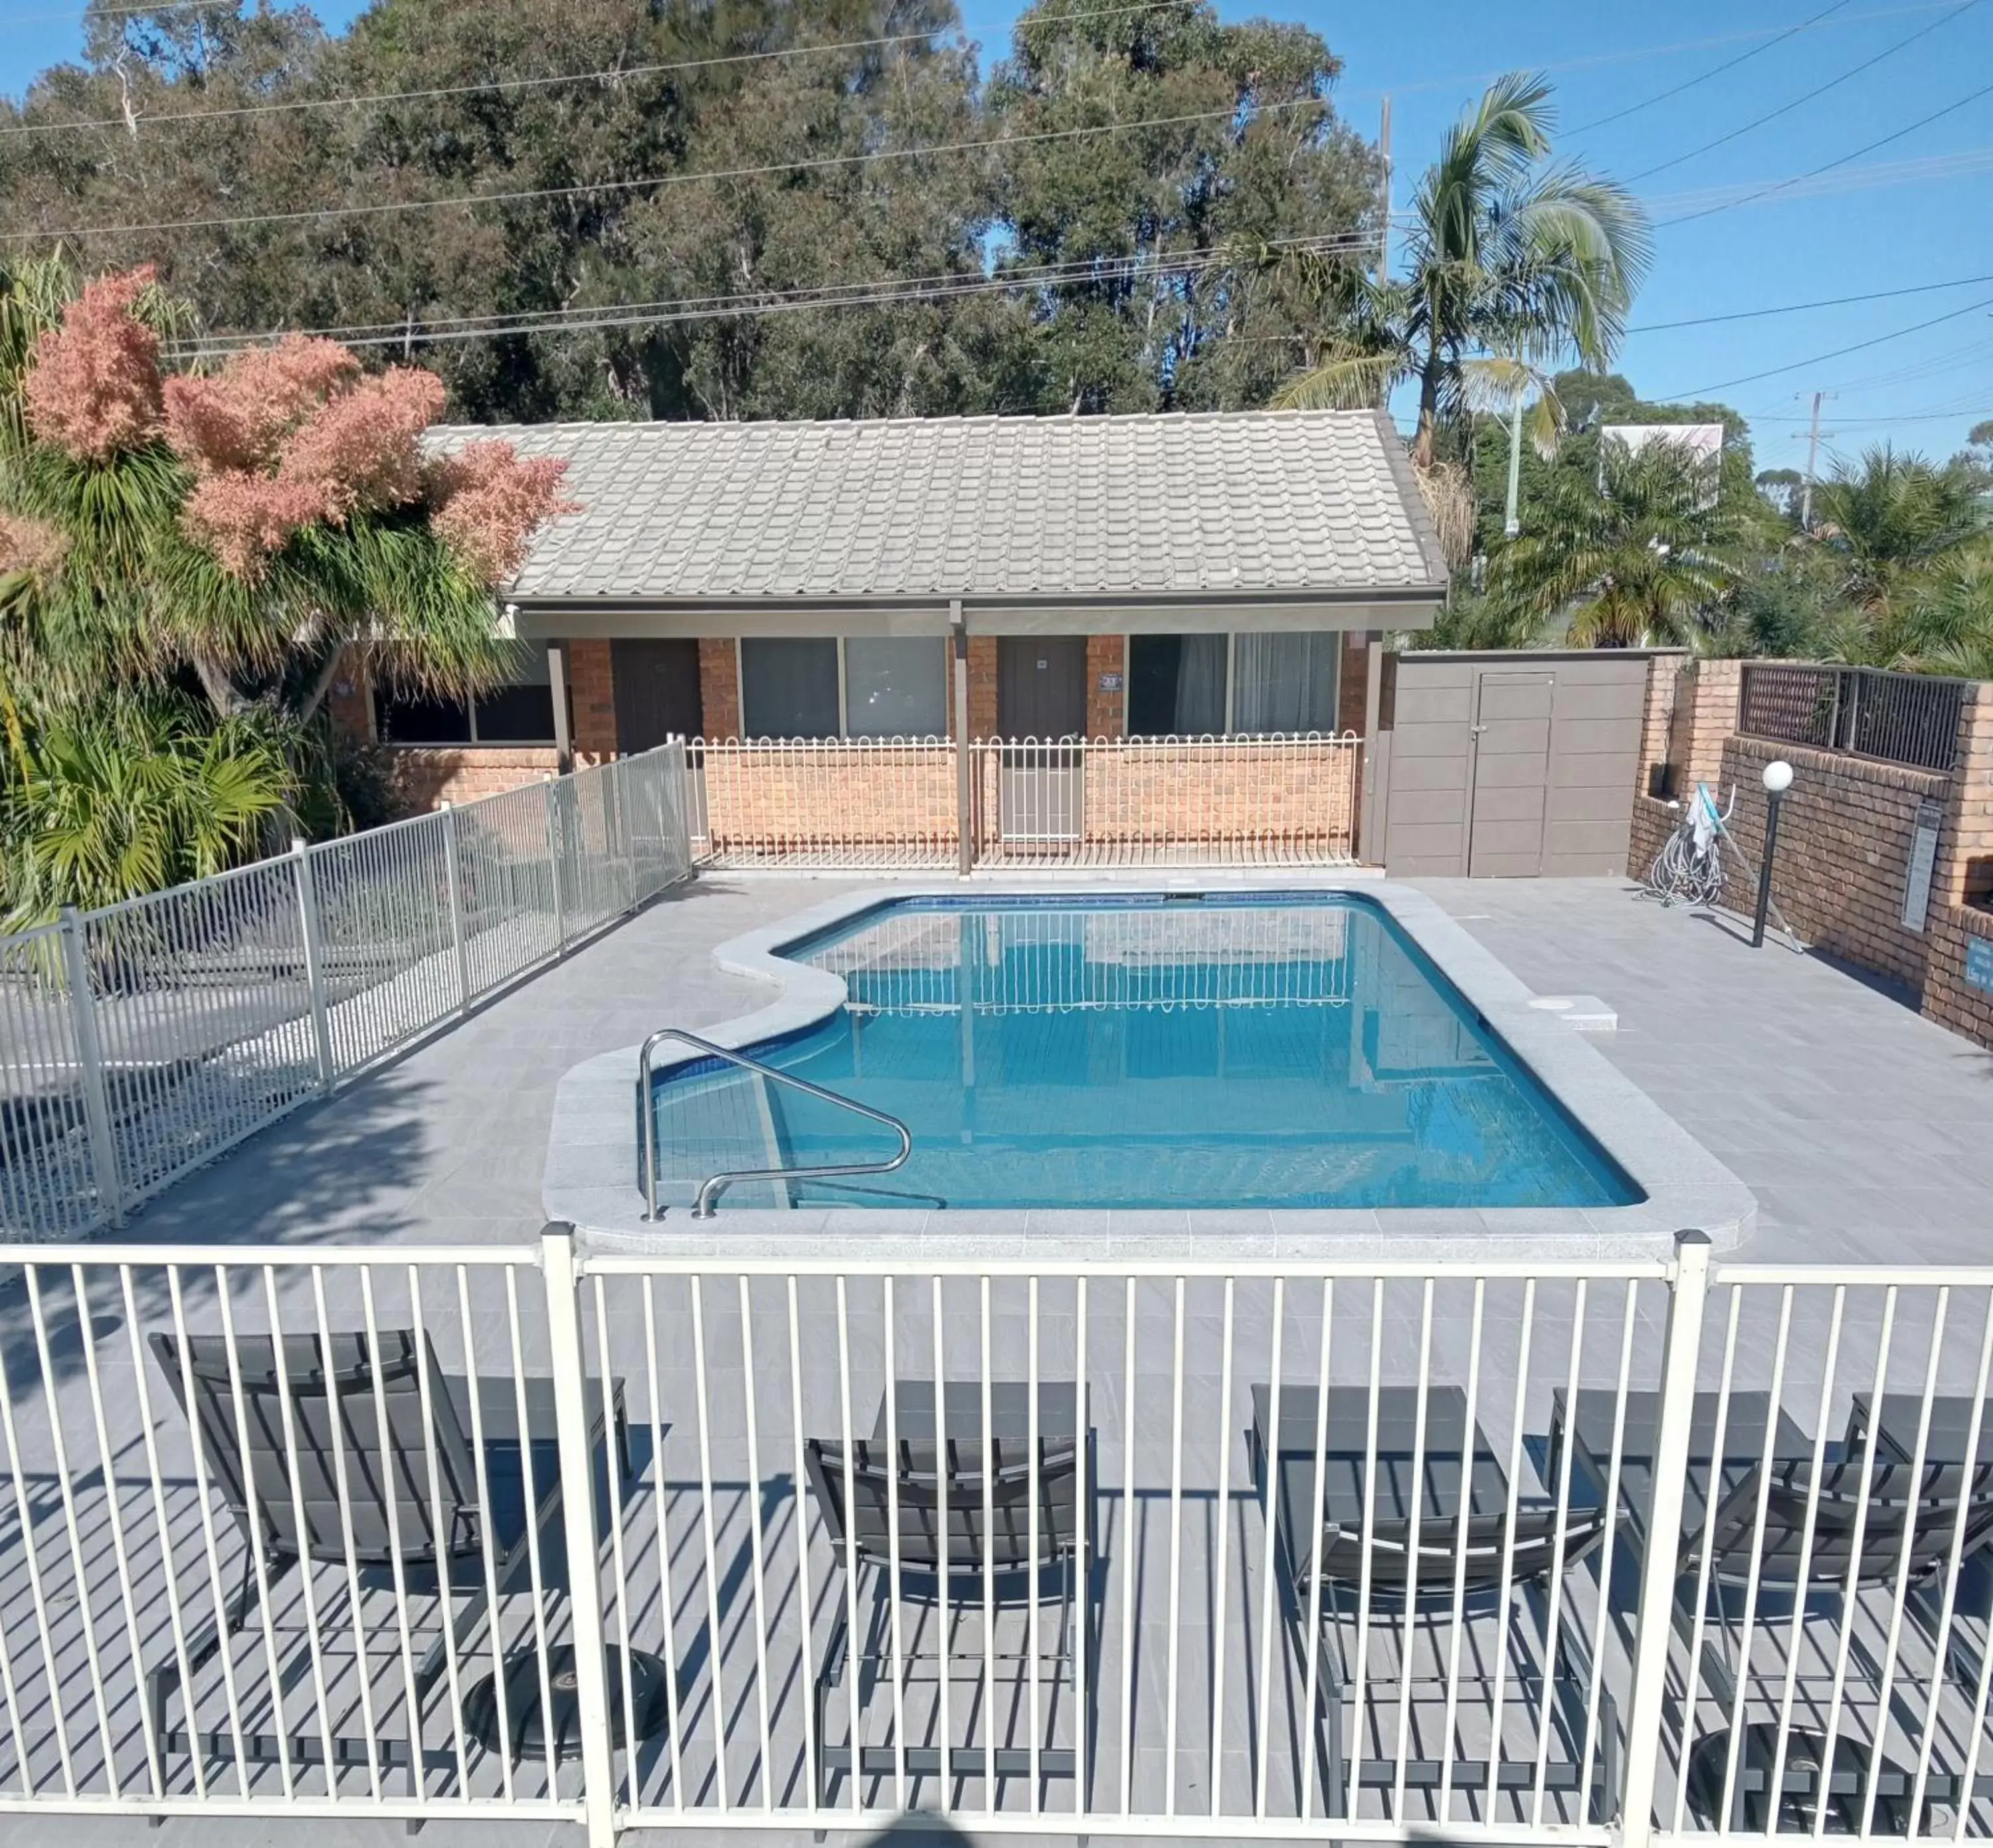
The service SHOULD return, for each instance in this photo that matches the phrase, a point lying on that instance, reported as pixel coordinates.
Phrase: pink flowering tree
(252, 525)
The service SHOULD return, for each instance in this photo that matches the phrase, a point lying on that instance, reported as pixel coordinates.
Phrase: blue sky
(1915, 213)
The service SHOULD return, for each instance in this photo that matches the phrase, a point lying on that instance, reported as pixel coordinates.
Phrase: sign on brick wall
(1979, 962)
(1924, 860)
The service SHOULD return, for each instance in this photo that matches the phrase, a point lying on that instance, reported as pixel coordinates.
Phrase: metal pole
(557, 685)
(90, 1060)
(1660, 1555)
(577, 1477)
(1512, 521)
(555, 835)
(1384, 162)
(965, 851)
(1813, 452)
(1773, 799)
(452, 872)
(314, 963)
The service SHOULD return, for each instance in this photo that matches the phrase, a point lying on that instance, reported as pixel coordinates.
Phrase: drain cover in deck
(522, 1708)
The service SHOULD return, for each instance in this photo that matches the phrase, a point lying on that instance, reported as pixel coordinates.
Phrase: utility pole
(1384, 155)
(1813, 452)
(1512, 523)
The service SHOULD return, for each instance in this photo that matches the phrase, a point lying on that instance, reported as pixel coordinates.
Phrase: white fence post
(453, 873)
(555, 835)
(577, 1478)
(314, 963)
(1680, 1351)
(90, 1059)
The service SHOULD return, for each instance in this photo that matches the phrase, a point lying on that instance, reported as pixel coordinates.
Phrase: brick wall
(349, 700)
(982, 686)
(592, 681)
(423, 775)
(772, 800)
(1965, 850)
(719, 686)
(1654, 821)
(1105, 711)
(1844, 838)
(1949, 999)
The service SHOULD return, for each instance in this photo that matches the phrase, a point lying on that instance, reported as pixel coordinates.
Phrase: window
(863, 686)
(788, 689)
(895, 687)
(521, 711)
(1243, 685)
(1285, 681)
(1176, 685)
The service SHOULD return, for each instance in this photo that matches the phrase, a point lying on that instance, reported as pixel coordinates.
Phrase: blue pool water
(1282, 1051)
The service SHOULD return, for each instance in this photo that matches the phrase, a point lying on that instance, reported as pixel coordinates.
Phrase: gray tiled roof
(980, 507)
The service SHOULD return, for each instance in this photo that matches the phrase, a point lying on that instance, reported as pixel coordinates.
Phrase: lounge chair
(1483, 1562)
(951, 1572)
(388, 1514)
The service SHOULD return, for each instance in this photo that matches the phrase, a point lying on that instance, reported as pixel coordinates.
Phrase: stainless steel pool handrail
(710, 1189)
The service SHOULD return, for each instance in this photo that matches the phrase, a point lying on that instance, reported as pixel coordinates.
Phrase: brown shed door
(1512, 764)
(657, 692)
(1041, 686)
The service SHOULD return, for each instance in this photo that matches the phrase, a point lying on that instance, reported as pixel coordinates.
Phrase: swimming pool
(1269, 1049)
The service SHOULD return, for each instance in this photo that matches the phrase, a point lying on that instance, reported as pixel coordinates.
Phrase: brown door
(1511, 759)
(1041, 686)
(657, 692)
(1040, 694)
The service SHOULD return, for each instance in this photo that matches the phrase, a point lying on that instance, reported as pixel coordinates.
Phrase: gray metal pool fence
(139, 1041)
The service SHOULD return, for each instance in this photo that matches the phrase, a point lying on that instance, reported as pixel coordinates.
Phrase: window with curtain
(788, 689)
(895, 686)
(1285, 681)
(1176, 685)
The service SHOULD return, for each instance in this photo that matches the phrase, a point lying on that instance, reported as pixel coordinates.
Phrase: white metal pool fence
(917, 803)
(1592, 1552)
(140, 1041)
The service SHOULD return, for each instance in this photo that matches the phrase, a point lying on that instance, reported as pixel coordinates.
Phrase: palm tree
(1889, 521)
(1643, 556)
(1516, 267)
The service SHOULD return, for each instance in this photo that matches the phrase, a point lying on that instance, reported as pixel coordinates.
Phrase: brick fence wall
(1951, 998)
(423, 775)
(778, 800)
(1844, 839)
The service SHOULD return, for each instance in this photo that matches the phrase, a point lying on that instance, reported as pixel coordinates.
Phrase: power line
(874, 292)
(1619, 115)
(1817, 359)
(363, 99)
(1923, 32)
(1814, 173)
(1757, 314)
(1881, 174)
(814, 163)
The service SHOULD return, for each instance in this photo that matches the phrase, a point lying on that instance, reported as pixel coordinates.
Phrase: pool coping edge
(592, 1134)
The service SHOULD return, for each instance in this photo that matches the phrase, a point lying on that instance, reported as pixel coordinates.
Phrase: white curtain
(1286, 681)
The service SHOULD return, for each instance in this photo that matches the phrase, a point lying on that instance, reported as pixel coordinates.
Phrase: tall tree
(1515, 265)
(1889, 518)
(1217, 137)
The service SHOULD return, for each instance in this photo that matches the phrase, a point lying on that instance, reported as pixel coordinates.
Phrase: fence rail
(1277, 800)
(1586, 1551)
(141, 1040)
(1908, 719)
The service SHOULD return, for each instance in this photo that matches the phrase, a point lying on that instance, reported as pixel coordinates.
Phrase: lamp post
(1778, 779)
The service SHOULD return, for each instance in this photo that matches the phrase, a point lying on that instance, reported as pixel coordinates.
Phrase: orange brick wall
(349, 700)
(870, 795)
(982, 686)
(1105, 711)
(1949, 999)
(592, 681)
(719, 686)
(424, 775)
